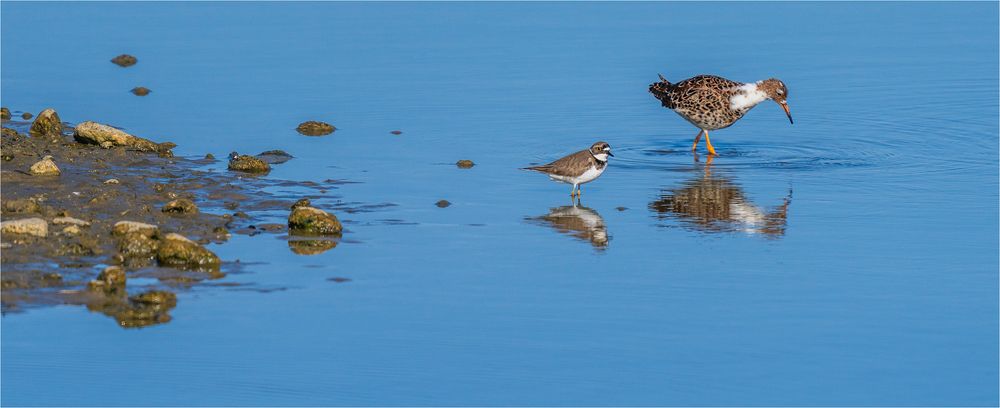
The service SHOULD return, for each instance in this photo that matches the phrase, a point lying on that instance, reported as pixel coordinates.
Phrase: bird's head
(601, 151)
(778, 92)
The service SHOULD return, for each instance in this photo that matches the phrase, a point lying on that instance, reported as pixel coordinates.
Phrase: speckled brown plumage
(711, 102)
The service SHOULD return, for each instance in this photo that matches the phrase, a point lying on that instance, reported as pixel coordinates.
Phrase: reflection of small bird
(582, 222)
(578, 168)
(710, 102)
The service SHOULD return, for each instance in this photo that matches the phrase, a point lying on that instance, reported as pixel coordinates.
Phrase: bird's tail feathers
(660, 90)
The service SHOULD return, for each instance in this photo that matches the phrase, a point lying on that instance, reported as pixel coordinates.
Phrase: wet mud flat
(83, 214)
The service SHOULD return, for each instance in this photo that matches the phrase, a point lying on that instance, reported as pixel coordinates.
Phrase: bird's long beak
(787, 112)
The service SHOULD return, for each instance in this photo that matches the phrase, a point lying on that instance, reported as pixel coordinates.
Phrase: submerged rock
(155, 297)
(26, 115)
(177, 251)
(247, 164)
(397, 132)
(315, 128)
(4, 113)
(45, 167)
(27, 226)
(275, 156)
(47, 123)
(20, 206)
(124, 227)
(443, 203)
(313, 221)
(140, 91)
(180, 206)
(465, 164)
(107, 136)
(125, 60)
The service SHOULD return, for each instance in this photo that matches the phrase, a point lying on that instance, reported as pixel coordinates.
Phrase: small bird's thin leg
(696, 139)
(708, 144)
(579, 190)
(572, 192)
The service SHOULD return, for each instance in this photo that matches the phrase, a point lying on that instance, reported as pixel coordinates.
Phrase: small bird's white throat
(747, 96)
(601, 156)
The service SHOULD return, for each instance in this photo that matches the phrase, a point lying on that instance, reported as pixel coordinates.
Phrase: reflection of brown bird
(581, 222)
(710, 102)
(715, 204)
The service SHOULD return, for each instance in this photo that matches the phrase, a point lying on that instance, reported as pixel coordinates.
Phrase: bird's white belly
(592, 173)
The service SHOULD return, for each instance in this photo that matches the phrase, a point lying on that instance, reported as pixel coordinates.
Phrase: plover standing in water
(578, 168)
(710, 102)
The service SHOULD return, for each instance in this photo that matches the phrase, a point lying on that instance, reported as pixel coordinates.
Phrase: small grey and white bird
(578, 168)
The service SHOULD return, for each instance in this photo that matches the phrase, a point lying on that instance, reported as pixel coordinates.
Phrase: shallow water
(849, 259)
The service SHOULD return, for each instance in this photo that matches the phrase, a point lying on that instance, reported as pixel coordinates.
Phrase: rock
(28, 226)
(209, 156)
(125, 60)
(4, 113)
(46, 124)
(443, 203)
(8, 132)
(313, 221)
(125, 227)
(45, 167)
(137, 249)
(107, 136)
(314, 128)
(303, 202)
(26, 115)
(337, 279)
(248, 164)
(111, 181)
(177, 251)
(111, 279)
(465, 164)
(70, 221)
(181, 206)
(397, 132)
(140, 91)
(71, 230)
(621, 208)
(20, 206)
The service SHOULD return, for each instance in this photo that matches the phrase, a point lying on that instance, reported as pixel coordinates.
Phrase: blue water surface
(848, 259)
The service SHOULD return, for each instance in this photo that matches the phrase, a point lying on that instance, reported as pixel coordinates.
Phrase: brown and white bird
(578, 168)
(710, 102)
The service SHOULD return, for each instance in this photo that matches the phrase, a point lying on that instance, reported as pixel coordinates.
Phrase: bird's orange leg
(694, 147)
(708, 144)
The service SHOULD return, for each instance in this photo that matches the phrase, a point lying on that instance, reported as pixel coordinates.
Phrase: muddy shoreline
(86, 207)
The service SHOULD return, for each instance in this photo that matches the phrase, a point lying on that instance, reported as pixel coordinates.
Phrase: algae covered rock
(28, 226)
(315, 128)
(26, 115)
(140, 91)
(465, 164)
(107, 136)
(313, 221)
(177, 251)
(302, 202)
(247, 164)
(111, 279)
(155, 297)
(125, 227)
(180, 206)
(44, 167)
(4, 113)
(137, 249)
(47, 123)
(442, 203)
(125, 60)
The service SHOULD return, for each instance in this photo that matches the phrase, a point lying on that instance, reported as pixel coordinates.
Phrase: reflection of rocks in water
(715, 204)
(581, 222)
(311, 246)
(144, 309)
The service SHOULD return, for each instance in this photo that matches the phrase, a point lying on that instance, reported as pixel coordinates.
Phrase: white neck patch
(747, 96)
(601, 156)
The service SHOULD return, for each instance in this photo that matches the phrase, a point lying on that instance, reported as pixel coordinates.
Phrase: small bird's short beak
(787, 112)
(609, 154)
